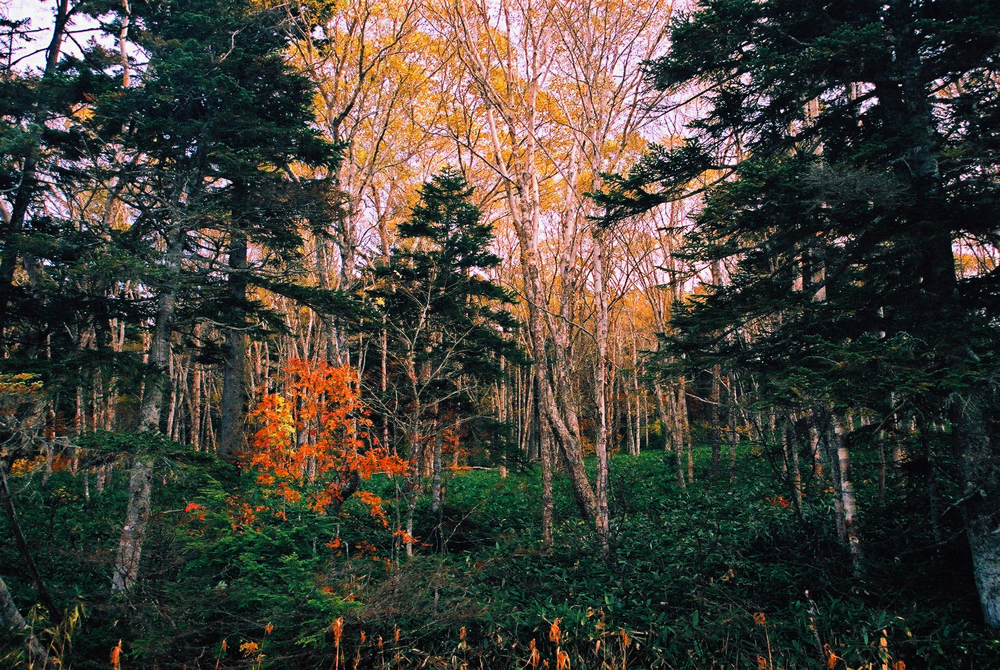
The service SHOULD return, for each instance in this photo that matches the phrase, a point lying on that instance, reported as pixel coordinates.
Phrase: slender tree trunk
(933, 495)
(194, 407)
(789, 442)
(671, 429)
(547, 451)
(172, 374)
(847, 492)
(415, 454)
(685, 428)
(436, 480)
(715, 419)
(600, 390)
(661, 410)
(50, 436)
(232, 423)
(384, 385)
(815, 451)
(522, 191)
(680, 442)
(79, 413)
(734, 434)
(645, 420)
(411, 509)
(134, 531)
(828, 441)
(568, 443)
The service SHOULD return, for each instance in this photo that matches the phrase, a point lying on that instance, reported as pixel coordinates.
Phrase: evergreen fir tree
(857, 144)
(200, 151)
(446, 316)
(447, 329)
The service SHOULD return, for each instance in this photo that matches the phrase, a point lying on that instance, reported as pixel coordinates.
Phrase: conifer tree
(447, 323)
(200, 149)
(50, 293)
(852, 145)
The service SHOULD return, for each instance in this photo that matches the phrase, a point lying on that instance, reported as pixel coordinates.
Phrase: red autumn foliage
(778, 501)
(313, 438)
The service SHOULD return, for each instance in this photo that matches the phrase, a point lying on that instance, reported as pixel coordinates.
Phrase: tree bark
(827, 440)
(134, 531)
(734, 434)
(790, 442)
(847, 492)
(11, 619)
(233, 411)
(667, 405)
(933, 494)
(685, 427)
(194, 407)
(522, 193)
(982, 489)
(600, 391)
(126, 569)
(436, 487)
(715, 419)
(546, 449)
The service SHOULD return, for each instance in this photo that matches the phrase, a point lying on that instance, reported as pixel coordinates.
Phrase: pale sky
(41, 12)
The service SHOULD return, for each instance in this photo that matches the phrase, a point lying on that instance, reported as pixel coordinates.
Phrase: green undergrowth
(724, 574)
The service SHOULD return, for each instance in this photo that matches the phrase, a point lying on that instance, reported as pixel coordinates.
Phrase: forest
(534, 334)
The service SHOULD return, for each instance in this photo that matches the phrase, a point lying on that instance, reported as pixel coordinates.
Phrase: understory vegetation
(534, 334)
(721, 575)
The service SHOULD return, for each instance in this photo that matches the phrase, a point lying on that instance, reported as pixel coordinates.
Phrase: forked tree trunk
(522, 191)
(790, 441)
(568, 443)
(666, 405)
(672, 426)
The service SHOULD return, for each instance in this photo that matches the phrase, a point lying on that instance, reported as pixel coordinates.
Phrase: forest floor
(716, 575)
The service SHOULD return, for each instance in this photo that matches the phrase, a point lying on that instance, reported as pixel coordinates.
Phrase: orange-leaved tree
(313, 440)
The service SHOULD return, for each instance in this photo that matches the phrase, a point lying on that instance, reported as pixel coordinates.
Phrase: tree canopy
(419, 334)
